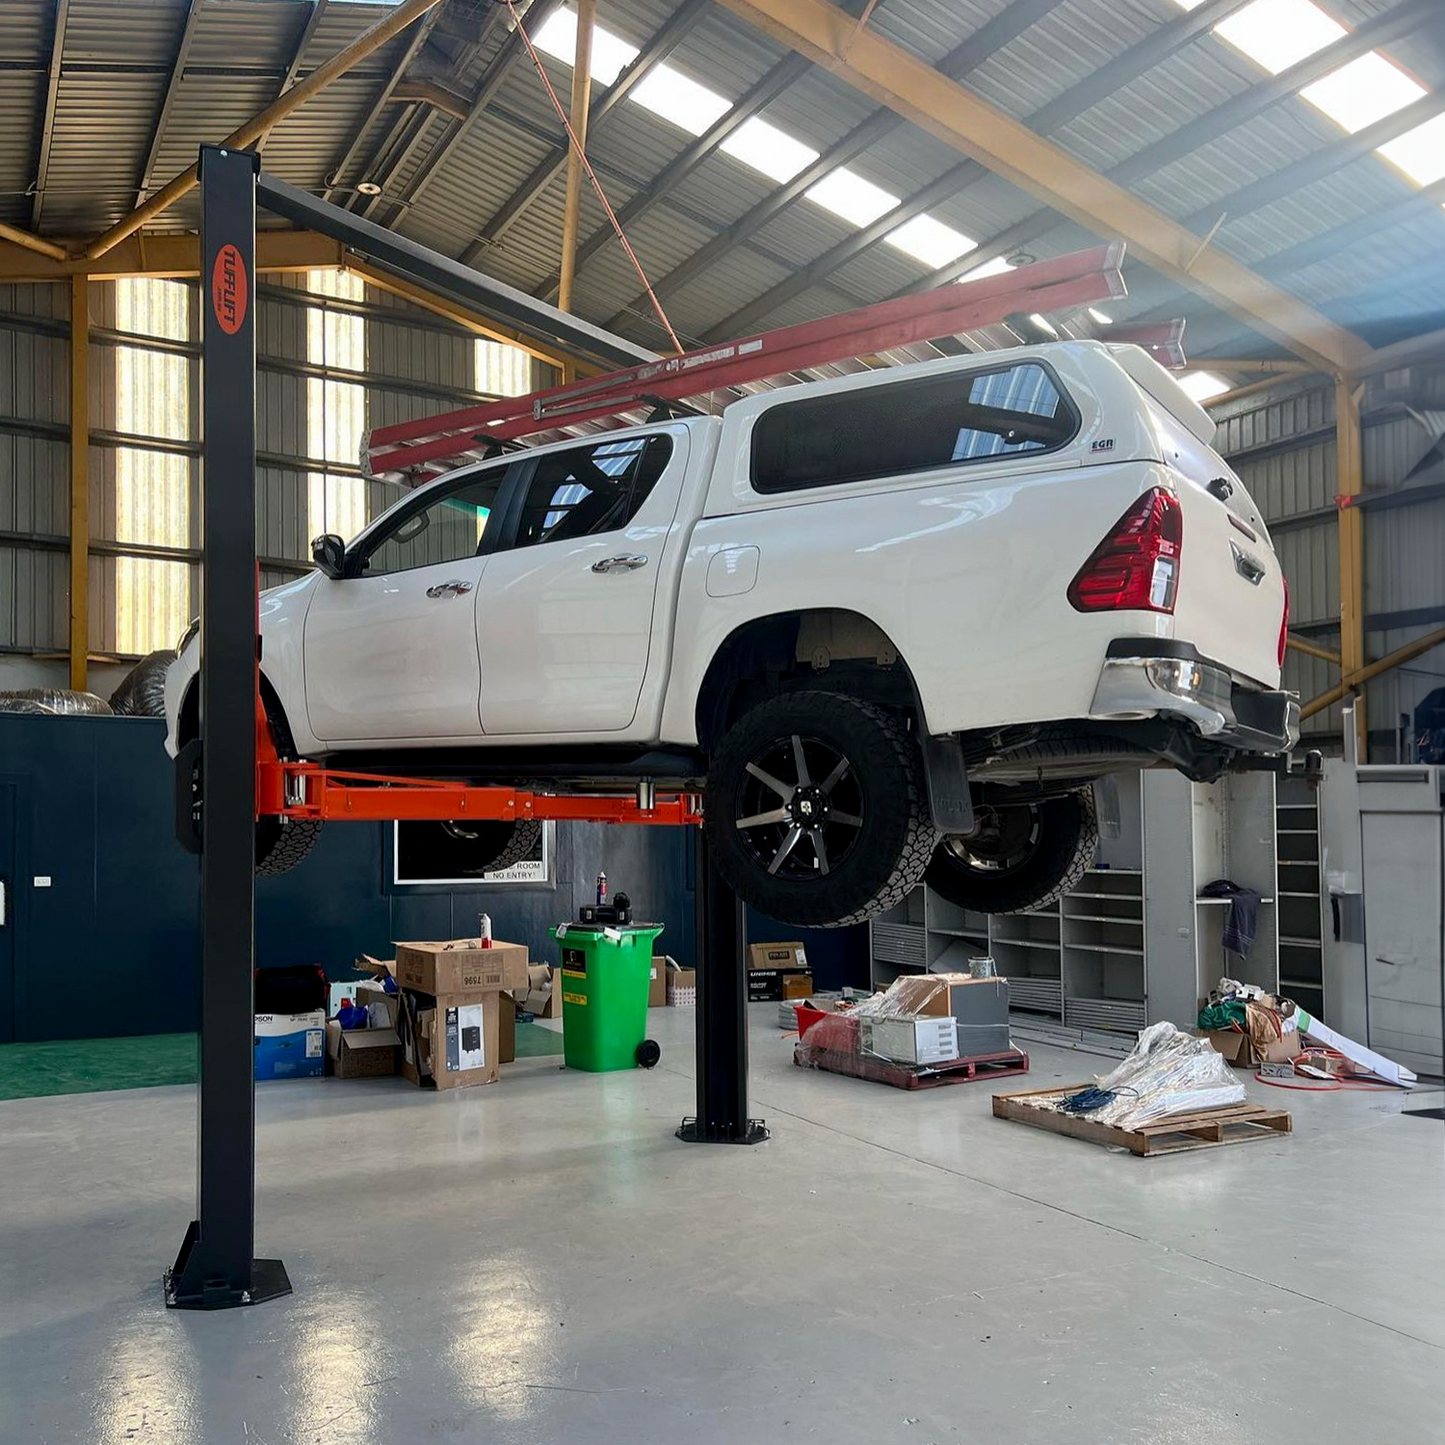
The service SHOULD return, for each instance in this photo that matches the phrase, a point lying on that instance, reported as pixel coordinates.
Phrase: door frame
(21, 887)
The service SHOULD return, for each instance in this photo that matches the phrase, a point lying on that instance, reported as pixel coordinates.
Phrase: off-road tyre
(885, 788)
(1063, 850)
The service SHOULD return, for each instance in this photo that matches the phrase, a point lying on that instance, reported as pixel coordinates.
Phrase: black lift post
(215, 1268)
(722, 1013)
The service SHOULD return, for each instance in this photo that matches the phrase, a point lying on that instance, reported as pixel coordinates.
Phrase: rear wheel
(817, 813)
(1020, 855)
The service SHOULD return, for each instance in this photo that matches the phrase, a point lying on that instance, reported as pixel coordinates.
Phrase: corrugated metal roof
(118, 55)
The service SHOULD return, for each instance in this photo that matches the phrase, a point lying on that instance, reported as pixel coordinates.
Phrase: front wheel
(817, 812)
(1019, 856)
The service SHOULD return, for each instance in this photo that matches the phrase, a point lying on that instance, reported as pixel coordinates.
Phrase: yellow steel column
(79, 480)
(1349, 484)
(581, 103)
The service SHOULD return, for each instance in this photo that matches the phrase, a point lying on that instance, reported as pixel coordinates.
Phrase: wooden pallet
(904, 1076)
(1208, 1129)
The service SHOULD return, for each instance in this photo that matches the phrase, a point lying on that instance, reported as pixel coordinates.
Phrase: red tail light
(1284, 622)
(1136, 567)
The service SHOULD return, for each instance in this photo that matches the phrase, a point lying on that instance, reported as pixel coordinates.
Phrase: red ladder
(415, 450)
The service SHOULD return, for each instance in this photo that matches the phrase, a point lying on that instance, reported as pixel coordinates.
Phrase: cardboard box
(543, 998)
(461, 966)
(506, 1029)
(767, 984)
(381, 1007)
(1237, 1050)
(458, 1042)
(657, 988)
(681, 986)
(291, 1046)
(361, 1053)
(778, 955)
(927, 1040)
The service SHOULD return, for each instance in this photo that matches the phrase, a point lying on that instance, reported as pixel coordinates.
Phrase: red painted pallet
(900, 1076)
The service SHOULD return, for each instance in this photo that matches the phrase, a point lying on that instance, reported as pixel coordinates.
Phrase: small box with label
(291, 1046)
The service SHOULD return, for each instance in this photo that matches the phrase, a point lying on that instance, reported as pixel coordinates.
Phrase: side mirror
(328, 551)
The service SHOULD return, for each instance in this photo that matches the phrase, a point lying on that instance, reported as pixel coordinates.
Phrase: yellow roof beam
(915, 90)
(170, 256)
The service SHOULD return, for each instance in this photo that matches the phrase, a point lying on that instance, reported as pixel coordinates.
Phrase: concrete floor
(540, 1261)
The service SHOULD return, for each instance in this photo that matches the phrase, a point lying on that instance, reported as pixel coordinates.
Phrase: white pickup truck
(895, 624)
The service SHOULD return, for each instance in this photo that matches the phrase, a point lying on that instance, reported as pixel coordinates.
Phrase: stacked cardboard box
(452, 1005)
(778, 971)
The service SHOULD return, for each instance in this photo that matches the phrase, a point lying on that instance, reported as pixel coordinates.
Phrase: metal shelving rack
(1111, 956)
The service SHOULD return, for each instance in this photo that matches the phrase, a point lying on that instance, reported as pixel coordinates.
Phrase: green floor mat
(90, 1066)
(533, 1041)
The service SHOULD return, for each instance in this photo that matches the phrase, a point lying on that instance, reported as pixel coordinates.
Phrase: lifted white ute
(897, 623)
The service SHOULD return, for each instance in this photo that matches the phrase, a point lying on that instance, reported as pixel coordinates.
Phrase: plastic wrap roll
(54, 702)
(142, 693)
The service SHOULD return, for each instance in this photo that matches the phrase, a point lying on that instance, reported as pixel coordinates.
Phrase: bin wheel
(648, 1053)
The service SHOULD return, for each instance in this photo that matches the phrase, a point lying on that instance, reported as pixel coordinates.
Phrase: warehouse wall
(111, 944)
(1283, 446)
(368, 362)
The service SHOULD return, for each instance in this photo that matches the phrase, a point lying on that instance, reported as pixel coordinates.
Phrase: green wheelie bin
(606, 972)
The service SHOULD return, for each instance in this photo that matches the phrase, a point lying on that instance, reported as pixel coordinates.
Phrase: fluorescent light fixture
(1420, 153)
(680, 99)
(930, 241)
(996, 267)
(1278, 33)
(1204, 385)
(1101, 317)
(1362, 92)
(768, 150)
(848, 195)
(1043, 323)
(610, 52)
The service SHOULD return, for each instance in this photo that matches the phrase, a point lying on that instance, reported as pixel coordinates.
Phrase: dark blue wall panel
(112, 946)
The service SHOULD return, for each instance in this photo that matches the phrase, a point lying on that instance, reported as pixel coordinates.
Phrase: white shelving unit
(1134, 943)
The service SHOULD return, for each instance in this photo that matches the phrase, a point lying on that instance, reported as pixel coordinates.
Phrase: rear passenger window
(586, 490)
(910, 426)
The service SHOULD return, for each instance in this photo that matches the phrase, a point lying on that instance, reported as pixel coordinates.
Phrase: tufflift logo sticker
(228, 289)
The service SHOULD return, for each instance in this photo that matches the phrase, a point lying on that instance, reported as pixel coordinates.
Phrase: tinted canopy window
(912, 426)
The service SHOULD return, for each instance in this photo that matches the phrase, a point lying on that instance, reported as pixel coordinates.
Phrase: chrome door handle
(628, 563)
(454, 588)
(4, 901)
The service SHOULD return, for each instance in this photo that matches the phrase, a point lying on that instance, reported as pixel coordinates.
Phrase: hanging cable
(592, 175)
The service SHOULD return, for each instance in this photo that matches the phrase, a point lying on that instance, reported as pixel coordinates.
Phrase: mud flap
(949, 797)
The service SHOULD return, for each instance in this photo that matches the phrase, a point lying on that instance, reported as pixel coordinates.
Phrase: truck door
(391, 651)
(565, 617)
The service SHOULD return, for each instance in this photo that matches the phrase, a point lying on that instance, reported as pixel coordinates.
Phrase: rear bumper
(1202, 693)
